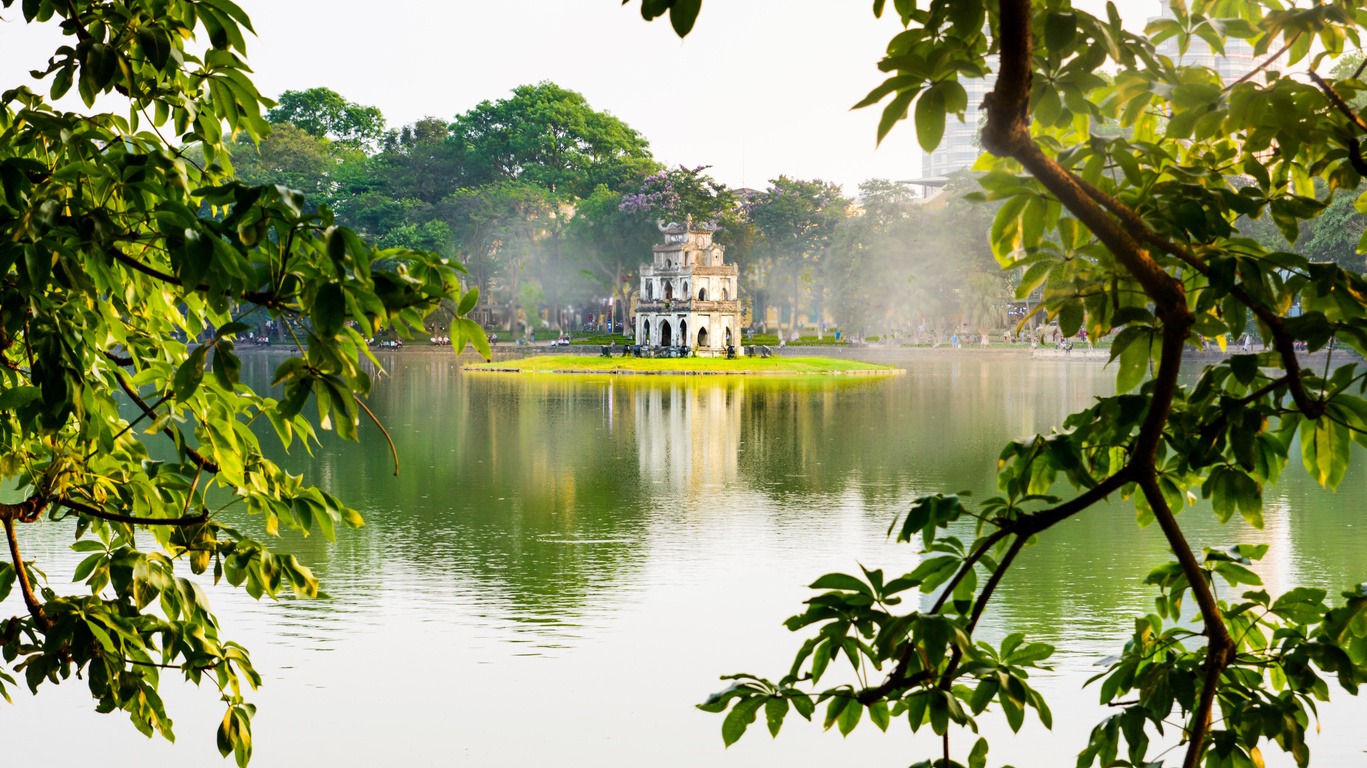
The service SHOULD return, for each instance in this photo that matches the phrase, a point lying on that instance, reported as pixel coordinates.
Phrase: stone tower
(688, 295)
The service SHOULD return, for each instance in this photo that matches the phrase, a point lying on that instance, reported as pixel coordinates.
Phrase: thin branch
(86, 509)
(1285, 345)
(197, 458)
(255, 297)
(1266, 62)
(1219, 645)
(35, 608)
(968, 565)
(1337, 101)
(392, 450)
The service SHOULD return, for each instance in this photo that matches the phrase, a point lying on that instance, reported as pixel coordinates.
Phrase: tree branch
(263, 298)
(1337, 101)
(1266, 62)
(195, 456)
(1284, 344)
(1219, 645)
(35, 608)
(86, 509)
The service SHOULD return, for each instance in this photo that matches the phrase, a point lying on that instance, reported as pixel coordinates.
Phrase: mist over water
(565, 565)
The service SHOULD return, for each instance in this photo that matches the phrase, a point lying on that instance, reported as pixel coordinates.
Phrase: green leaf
(226, 365)
(1325, 450)
(849, 717)
(682, 15)
(1070, 318)
(775, 709)
(189, 374)
(468, 301)
(470, 331)
(1134, 366)
(977, 758)
(841, 581)
(930, 117)
(329, 310)
(740, 717)
(17, 397)
(879, 714)
(895, 111)
(1060, 28)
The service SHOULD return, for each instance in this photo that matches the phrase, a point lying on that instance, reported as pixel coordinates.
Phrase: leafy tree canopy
(129, 267)
(323, 113)
(1128, 232)
(549, 136)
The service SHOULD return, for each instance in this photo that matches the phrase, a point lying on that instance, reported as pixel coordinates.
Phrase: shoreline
(872, 354)
(597, 365)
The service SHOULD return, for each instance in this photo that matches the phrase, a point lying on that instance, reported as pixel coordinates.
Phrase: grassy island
(688, 366)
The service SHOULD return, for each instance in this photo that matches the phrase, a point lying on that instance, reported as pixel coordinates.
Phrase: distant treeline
(551, 205)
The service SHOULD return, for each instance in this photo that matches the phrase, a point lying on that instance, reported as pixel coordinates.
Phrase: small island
(687, 366)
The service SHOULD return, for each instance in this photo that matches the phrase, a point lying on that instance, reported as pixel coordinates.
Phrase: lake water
(564, 566)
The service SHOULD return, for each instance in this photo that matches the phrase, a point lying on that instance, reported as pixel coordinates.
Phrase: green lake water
(565, 565)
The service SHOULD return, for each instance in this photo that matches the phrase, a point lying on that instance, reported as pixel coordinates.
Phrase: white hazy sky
(760, 88)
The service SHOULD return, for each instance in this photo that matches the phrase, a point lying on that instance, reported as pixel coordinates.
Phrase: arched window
(702, 338)
(702, 294)
(725, 295)
(669, 290)
(650, 291)
(685, 289)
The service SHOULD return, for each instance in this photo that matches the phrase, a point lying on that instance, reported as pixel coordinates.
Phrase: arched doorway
(728, 337)
(665, 340)
(669, 290)
(645, 333)
(683, 333)
(702, 338)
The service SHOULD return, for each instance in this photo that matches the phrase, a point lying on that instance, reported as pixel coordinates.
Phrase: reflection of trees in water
(1083, 580)
(536, 497)
(523, 495)
(926, 431)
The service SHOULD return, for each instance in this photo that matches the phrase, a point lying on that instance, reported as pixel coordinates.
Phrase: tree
(497, 229)
(677, 193)
(613, 231)
(795, 220)
(323, 113)
(1131, 233)
(549, 136)
(613, 239)
(290, 157)
(131, 265)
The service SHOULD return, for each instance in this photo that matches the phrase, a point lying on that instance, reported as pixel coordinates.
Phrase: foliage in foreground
(1129, 231)
(129, 267)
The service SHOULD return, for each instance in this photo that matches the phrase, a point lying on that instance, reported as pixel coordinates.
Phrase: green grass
(711, 365)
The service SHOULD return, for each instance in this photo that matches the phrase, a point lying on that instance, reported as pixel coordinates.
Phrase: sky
(760, 88)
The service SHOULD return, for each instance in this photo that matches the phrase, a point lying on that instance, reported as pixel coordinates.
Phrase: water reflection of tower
(688, 434)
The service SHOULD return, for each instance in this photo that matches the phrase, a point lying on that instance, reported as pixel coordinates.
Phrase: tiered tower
(688, 295)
